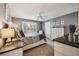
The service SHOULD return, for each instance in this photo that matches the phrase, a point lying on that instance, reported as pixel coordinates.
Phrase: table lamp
(7, 33)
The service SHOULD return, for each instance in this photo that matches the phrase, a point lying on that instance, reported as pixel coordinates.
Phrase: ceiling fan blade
(37, 18)
(42, 18)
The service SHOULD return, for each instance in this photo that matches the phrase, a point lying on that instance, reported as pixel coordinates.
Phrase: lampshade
(7, 33)
(40, 32)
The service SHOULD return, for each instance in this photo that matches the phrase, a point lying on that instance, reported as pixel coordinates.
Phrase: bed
(32, 40)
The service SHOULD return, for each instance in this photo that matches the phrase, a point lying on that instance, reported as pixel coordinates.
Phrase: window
(62, 22)
(29, 27)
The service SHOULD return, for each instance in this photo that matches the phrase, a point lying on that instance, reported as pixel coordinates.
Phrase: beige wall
(2, 11)
(2, 14)
(17, 22)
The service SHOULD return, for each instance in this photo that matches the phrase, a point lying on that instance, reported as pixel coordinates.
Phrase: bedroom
(41, 26)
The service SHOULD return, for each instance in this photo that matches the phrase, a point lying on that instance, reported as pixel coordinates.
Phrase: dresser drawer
(66, 49)
(56, 53)
(16, 52)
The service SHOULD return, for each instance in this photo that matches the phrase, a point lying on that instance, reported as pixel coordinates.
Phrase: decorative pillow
(28, 40)
(35, 39)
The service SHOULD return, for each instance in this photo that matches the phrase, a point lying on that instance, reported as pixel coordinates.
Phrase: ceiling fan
(41, 17)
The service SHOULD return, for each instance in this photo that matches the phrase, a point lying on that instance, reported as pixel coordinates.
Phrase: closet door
(57, 32)
(54, 33)
(47, 29)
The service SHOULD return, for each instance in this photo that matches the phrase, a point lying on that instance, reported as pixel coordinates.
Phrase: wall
(2, 13)
(68, 19)
(17, 22)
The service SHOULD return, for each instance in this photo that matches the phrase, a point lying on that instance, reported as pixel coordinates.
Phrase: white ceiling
(50, 10)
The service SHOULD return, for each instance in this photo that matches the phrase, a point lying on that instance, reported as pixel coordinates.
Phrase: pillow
(35, 39)
(28, 40)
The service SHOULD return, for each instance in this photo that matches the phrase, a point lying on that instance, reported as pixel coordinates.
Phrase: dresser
(64, 48)
(15, 52)
(15, 49)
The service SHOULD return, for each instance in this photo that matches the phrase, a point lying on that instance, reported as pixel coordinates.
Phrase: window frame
(30, 23)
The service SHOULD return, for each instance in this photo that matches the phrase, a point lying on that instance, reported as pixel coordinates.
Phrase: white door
(47, 29)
